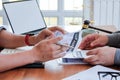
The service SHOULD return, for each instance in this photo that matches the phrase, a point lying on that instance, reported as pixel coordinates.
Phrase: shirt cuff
(113, 40)
(117, 57)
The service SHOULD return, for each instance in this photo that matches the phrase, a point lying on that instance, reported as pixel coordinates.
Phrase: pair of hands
(99, 53)
(47, 33)
(45, 45)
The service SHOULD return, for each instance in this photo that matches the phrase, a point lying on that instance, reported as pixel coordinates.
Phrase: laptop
(24, 16)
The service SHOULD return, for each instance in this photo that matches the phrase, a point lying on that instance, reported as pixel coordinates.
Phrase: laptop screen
(24, 16)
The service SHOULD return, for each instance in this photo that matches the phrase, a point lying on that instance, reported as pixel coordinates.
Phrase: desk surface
(110, 28)
(52, 71)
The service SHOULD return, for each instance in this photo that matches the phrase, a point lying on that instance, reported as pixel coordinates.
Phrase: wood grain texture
(52, 71)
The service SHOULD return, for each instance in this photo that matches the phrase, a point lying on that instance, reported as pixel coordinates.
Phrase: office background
(73, 12)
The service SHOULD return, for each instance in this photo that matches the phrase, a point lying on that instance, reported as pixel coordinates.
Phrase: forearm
(9, 40)
(15, 60)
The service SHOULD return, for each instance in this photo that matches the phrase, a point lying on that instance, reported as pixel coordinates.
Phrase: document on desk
(92, 74)
(73, 57)
(70, 39)
(73, 54)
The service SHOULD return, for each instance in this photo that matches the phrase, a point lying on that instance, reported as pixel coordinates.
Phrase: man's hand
(48, 49)
(93, 40)
(45, 33)
(56, 28)
(102, 55)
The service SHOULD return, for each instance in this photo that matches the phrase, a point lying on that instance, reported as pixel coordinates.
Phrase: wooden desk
(110, 28)
(52, 71)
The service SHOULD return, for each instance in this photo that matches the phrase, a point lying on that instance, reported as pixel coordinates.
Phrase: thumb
(92, 52)
(95, 43)
(55, 39)
(48, 32)
(51, 36)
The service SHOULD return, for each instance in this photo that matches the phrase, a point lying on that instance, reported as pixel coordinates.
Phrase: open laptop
(24, 16)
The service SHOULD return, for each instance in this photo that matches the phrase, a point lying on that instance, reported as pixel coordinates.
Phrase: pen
(65, 45)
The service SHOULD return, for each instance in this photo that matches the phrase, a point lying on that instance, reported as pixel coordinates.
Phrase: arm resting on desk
(15, 60)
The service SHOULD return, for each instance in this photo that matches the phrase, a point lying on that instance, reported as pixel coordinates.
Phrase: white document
(71, 39)
(92, 74)
(73, 55)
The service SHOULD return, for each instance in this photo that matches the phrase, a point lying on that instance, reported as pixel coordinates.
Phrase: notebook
(24, 16)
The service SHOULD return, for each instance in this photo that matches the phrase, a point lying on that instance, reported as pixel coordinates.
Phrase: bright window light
(1, 20)
(0, 5)
(73, 4)
(51, 21)
(73, 21)
(48, 4)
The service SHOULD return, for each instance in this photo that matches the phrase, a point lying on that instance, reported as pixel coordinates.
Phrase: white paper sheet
(73, 55)
(91, 74)
(71, 39)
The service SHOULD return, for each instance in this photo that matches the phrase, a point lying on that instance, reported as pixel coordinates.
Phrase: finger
(59, 55)
(61, 50)
(92, 52)
(91, 59)
(90, 39)
(50, 37)
(83, 43)
(96, 43)
(48, 32)
(86, 42)
(54, 40)
(95, 62)
(57, 28)
(56, 47)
